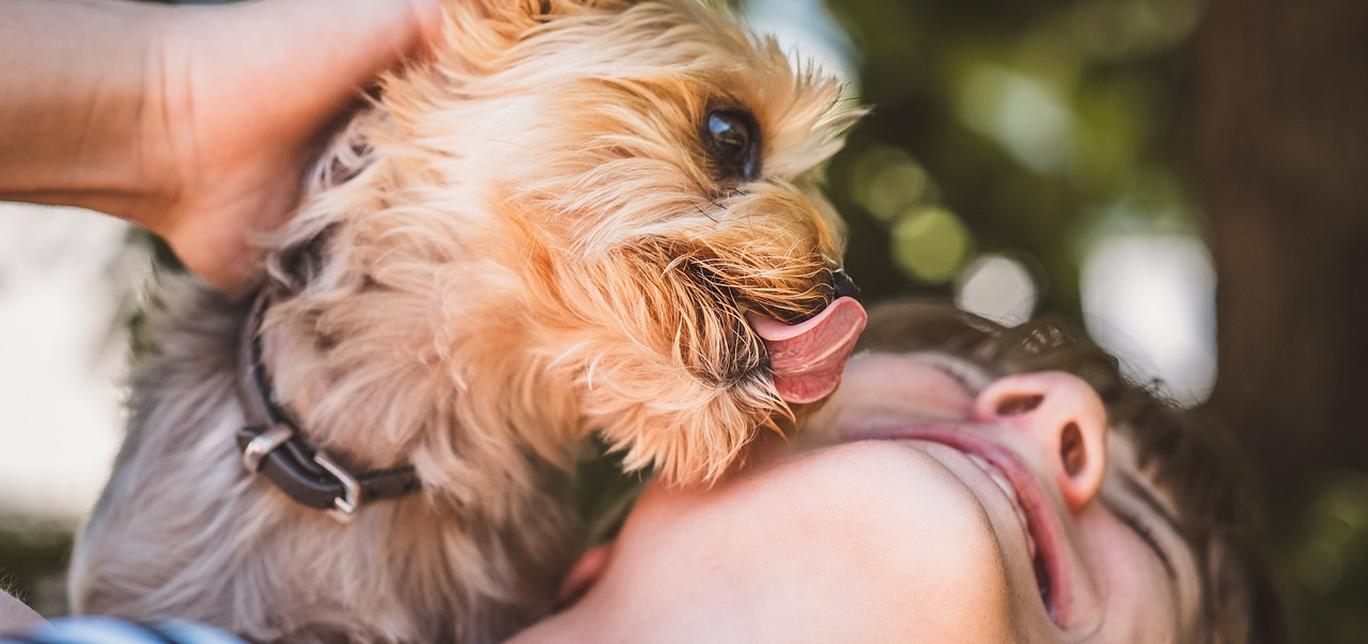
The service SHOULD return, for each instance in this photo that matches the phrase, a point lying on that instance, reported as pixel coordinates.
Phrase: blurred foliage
(1321, 558)
(1007, 126)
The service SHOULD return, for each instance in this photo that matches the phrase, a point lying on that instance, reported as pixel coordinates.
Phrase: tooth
(1003, 483)
(1000, 479)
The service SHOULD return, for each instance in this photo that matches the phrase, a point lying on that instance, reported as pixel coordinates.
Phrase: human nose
(1063, 418)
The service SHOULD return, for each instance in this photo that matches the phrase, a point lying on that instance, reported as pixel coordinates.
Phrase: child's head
(967, 483)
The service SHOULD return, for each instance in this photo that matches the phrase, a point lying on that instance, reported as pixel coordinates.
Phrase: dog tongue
(807, 358)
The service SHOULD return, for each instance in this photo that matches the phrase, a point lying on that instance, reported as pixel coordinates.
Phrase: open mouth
(1043, 532)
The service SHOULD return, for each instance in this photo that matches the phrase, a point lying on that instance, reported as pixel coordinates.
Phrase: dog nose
(840, 285)
(843, 286)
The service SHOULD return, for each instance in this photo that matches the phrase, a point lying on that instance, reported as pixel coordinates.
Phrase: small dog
(581, 216)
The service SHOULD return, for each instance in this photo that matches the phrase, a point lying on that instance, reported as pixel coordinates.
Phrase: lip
(1042, 522)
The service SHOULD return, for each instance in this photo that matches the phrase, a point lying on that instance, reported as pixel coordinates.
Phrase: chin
(886, 504)
(858, 541)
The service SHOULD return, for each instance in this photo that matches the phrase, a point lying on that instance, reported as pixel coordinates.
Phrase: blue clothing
(108, 630)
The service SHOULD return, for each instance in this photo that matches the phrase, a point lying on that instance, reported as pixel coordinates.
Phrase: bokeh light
(1120, 28)
(1150, 298)
(998, 288)
(1024, 114)
(930, 243)
(886, 181)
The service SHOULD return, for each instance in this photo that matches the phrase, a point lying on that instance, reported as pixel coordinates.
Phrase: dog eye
(730, 137)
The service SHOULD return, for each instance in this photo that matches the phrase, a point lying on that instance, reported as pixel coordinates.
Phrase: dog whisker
(701, 212)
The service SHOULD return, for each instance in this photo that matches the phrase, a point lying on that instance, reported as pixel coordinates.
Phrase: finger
(380, 29)
(296, 62)
(358, 38)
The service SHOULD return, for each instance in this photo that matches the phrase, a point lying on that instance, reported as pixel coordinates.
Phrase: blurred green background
(1183, 178)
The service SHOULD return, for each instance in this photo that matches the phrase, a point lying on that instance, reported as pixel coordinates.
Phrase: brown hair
(1192, 458)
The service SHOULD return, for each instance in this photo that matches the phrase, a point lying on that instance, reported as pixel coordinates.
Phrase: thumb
(363, 37)
(393, 26)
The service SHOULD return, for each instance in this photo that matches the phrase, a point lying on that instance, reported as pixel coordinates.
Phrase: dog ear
(304, 246)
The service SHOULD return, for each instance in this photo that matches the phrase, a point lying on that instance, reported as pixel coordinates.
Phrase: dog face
(606, 211)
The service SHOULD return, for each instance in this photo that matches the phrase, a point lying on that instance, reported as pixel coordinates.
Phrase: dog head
(605, 211)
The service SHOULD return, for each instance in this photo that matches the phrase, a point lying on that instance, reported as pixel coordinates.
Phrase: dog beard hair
(524, 239)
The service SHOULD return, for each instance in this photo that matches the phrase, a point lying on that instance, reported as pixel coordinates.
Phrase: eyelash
(1140, 527)
(956, 373)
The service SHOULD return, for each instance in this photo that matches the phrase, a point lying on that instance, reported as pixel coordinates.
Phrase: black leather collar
(273, 444)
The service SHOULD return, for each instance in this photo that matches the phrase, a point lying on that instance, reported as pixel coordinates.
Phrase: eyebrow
(959, 369)
(1143, 531)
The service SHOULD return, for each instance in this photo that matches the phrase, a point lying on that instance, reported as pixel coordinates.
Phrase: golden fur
(520, 243)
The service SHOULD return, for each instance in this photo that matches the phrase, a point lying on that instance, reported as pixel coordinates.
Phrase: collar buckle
(345, 506)
(273, 445)
(263, 444)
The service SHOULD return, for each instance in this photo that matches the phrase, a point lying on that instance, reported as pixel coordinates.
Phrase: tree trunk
(1281, 161)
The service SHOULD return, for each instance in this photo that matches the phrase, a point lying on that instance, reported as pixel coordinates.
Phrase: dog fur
(519, 243)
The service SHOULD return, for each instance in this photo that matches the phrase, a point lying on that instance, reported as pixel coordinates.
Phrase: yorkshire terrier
(579, 216)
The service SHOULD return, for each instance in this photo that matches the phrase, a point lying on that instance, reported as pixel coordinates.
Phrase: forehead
(1124, 458)
(1127, 469)
(1130, 482)
(1132, 489)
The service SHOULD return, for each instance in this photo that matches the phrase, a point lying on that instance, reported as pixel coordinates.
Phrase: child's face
(939, 506)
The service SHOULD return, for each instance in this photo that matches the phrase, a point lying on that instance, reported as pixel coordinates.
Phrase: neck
(377, 398)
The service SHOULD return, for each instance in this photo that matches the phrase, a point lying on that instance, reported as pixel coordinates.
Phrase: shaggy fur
(520, 243)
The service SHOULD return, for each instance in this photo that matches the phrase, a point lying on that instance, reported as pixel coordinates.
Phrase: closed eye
(1140, 525)
(1146, 534)
(971, 380)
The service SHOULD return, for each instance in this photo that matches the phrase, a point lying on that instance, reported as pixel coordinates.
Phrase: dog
(578, 217)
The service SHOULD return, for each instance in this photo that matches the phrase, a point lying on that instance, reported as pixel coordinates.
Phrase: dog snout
(843, 286)
(838, 285)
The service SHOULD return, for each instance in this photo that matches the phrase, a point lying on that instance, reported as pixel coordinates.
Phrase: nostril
(1018, 405)
(843, 286)
(1072, 451)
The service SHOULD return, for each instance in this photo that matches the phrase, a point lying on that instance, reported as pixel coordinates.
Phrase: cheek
(1141, 604)
(860, 543)
(887, 388)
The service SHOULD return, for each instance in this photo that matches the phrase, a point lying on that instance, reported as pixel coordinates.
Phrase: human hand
(15, 616)
(238, 102)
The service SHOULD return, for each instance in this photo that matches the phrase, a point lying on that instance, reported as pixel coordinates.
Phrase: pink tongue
(807, 358)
